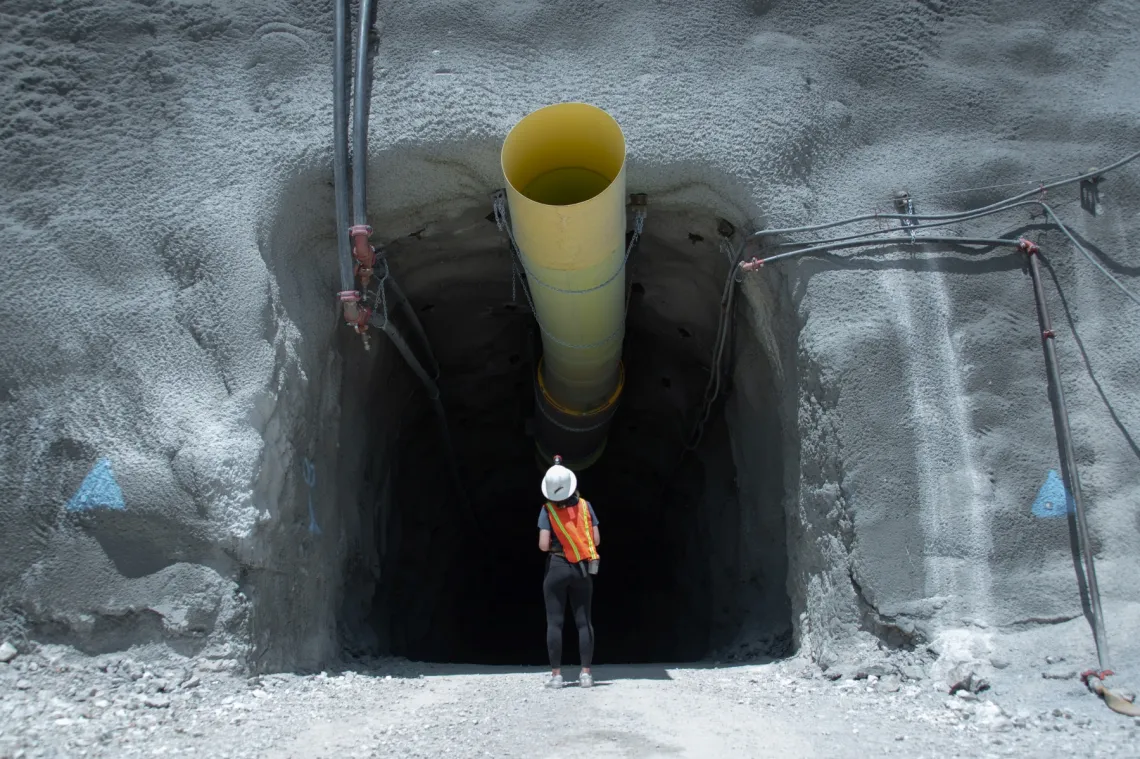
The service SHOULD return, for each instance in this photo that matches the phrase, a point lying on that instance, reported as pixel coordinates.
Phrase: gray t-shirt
(544, 524)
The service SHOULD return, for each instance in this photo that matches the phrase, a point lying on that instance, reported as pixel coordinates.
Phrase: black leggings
(563, 580)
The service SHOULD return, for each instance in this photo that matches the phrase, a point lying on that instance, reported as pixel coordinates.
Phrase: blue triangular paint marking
(1053, 499)
(98, 490)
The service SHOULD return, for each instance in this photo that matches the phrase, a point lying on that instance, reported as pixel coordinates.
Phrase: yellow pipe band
(608, 404)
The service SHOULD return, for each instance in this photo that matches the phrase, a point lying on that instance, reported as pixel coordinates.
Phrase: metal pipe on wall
(359, 246)
(1065, 446)
(340, 142)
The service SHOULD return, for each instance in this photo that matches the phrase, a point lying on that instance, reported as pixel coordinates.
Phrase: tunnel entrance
(692, 559)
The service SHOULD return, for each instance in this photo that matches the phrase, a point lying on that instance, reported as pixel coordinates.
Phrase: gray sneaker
(586, 680)
(554, 681)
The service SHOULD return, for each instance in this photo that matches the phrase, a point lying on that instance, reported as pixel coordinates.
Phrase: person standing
(568, 533)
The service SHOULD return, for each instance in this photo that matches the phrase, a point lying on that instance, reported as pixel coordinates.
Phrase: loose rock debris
(122, 706)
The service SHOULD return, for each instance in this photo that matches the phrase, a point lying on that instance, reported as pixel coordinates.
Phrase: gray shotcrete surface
(203, 474)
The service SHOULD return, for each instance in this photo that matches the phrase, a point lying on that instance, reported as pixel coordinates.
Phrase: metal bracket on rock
(1090, 193)
(904, 204)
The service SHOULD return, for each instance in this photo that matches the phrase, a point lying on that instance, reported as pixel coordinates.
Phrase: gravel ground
(55, 702)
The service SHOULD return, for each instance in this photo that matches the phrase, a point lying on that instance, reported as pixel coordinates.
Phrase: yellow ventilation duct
(565, 187)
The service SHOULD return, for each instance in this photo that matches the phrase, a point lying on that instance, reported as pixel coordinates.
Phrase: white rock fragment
(8, 652)
(991, 717)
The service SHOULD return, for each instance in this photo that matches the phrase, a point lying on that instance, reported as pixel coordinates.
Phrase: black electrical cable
(956, 215)
(985, 241)
(1055, 220)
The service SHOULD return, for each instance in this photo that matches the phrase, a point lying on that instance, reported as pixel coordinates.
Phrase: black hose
(1047, 209)
(362, 93)
(988, 242)
(417, 325)
(340, 143)
(362, 90)
(908, 230)
(1068, 458)
(429, 384)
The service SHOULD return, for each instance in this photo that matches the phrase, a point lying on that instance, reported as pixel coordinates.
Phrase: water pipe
(564, 167)
(360, 232)
(362, 92)
(354, 315)
(1065, 447)
(340, 142)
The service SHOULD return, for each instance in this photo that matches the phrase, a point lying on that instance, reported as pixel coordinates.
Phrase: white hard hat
(559, 482)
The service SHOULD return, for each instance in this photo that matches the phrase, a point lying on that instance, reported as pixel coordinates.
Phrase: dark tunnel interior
(672, 556)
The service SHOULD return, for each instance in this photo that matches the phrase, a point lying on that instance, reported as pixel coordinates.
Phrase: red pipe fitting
(1028, 247)
(1101, 675)
(362, 315)
(364, 253)
(355, 316)
(753, 265)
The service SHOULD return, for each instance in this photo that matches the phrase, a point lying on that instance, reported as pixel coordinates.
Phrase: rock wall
(158, 157)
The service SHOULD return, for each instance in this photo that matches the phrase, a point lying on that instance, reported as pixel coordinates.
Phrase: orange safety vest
(575, 531)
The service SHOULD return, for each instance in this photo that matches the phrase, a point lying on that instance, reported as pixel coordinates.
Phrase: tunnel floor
(668, 589)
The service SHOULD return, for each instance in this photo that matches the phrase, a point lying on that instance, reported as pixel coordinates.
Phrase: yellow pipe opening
(565, 171)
